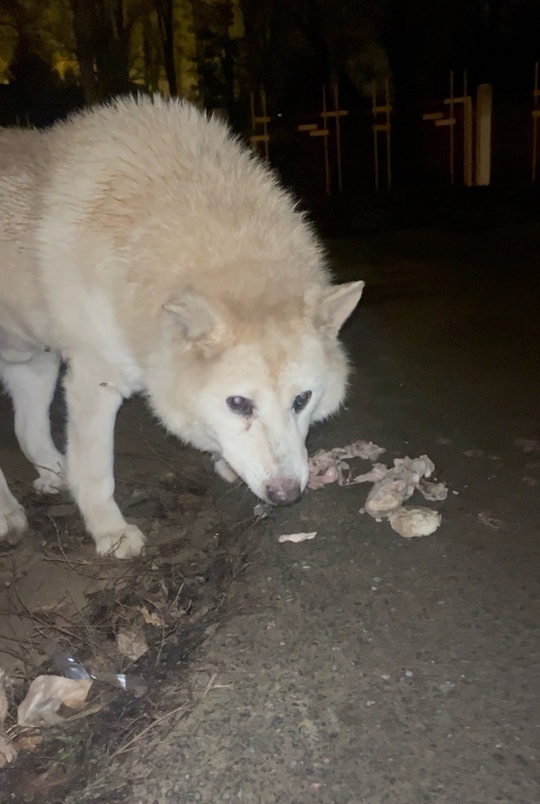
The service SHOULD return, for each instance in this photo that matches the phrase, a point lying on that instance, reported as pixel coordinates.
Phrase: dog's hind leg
(31, 386)
(12, 516)
(92, 405)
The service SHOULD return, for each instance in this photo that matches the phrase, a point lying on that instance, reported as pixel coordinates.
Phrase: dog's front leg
(92, 406)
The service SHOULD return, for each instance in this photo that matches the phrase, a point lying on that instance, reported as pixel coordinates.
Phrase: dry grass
(199, 534)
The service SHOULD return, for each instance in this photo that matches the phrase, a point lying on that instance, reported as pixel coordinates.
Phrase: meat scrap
(415, 522)
(386, 498)
(399, 484)
(432, 491)
(330, 466)
(391, 487)
(296, 537)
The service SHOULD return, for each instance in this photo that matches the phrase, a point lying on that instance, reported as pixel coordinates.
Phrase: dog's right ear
(334, 304)
(198, 320)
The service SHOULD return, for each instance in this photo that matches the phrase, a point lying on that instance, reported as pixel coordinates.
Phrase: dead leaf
(28, 742)
(131, 643)
(8, 752)
(151, 618)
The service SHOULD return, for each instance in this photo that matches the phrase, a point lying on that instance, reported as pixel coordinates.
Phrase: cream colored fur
(141, 243)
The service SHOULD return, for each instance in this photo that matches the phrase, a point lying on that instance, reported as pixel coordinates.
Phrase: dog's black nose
(284, 492)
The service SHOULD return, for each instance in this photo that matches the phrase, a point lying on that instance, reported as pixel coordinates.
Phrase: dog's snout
(284, 492)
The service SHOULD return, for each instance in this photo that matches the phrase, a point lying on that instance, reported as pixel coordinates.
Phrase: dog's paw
(125, 543)
(223, 469)
(49, 482)
(51, 476)
(12, 520)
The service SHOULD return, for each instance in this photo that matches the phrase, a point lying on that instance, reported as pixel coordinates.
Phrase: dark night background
(57, 55)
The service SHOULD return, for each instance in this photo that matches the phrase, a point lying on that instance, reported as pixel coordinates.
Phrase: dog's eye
(240, 405)
(301, 401)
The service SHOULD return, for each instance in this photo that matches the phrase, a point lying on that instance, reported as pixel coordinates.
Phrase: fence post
(260, 120)
(484, 107)
(535, 116)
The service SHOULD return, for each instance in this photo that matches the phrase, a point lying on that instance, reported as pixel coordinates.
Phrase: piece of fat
(297, 537)
(415, 522)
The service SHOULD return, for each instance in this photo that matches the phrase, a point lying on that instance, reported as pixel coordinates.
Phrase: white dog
(143, 245)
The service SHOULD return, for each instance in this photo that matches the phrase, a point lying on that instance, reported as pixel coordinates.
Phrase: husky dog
(145, 246)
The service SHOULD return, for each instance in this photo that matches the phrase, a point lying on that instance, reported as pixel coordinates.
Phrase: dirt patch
(105, 613)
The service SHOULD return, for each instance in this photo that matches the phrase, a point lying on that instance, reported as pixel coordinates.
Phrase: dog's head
(245, 384)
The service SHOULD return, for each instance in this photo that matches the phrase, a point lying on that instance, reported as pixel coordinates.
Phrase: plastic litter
(69, 667)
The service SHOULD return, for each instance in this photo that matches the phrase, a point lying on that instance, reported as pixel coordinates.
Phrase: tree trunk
(151, 55)
(165, 15)
(112, 50)
(84, 27)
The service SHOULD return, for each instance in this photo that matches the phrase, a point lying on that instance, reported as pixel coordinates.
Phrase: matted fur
(144, 245)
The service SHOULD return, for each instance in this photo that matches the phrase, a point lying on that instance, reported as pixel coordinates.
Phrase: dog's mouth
(279, 491)
(224, 469)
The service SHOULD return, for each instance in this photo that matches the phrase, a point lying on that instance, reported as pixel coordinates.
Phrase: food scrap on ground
(330, 466)
(415, 522)
(296, 537)
(432, 491)
(399, 484)
(392, 486)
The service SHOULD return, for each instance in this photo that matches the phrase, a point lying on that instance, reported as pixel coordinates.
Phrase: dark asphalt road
(360, 668)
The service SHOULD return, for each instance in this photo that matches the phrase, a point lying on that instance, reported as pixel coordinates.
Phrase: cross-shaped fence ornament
(382, 129)
(260, 120)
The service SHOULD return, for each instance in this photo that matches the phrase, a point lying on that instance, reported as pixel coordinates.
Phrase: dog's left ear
(336, 305)
(198, 320)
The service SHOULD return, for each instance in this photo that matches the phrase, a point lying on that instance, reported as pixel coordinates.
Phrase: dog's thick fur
(143, 245)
